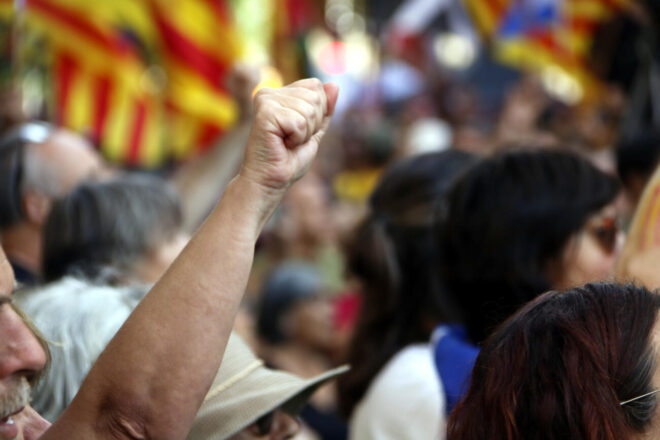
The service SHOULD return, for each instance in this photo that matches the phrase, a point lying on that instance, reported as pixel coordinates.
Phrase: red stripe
(102, 89)
(190, 54)
(135, 140)
(81, 24)
(546, 39)
(582, 25)
(496, 10)
(208, 134)
(66, 69)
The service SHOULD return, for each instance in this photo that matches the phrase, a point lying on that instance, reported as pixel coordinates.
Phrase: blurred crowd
(486, 270)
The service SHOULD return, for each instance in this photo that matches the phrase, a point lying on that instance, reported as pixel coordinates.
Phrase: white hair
(79, 319)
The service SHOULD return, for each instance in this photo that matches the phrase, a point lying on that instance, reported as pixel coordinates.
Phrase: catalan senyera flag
(537, 34)
(142, 78)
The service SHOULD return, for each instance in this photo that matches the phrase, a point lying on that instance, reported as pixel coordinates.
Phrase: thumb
(331, 93)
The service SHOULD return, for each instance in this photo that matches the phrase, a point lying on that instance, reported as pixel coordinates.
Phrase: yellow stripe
(195, 20)
(182, 131)
(151, 150)
(120, 118)
(528, 55)
(127, 69)
(195, 97)
(78, 112)
(7, 10)
(107, 15)
(576, 43)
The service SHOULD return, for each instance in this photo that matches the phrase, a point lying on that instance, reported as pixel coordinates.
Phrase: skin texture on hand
(288, 125)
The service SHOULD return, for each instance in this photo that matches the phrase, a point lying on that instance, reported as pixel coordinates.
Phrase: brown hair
(560, 367)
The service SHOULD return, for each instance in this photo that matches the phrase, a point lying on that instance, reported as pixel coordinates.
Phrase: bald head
(59, 163)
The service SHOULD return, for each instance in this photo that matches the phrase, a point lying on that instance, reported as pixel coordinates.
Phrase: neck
(22, 244)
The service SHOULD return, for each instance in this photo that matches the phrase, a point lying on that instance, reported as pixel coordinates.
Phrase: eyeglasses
(625, 402)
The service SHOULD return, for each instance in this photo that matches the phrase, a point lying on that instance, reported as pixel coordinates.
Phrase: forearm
(152, 377)
(203, 180)
(156, 371)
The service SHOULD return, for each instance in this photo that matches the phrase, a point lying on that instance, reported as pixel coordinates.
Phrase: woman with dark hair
(123, 230)
(518, 224)
(392, 390)
(579, 364)
(297, 334)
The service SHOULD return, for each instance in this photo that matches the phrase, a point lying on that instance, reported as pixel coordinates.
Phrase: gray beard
(16, 396)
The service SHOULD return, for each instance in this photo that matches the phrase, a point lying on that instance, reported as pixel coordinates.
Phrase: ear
(36, 207)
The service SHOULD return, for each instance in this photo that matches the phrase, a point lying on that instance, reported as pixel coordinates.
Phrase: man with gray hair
(38, 163)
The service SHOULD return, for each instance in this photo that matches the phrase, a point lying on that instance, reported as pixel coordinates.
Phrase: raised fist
(288, 125)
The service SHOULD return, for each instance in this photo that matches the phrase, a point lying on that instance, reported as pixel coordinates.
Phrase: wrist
(252, 201)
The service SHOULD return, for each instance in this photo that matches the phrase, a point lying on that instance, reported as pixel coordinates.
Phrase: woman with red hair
(579, 364)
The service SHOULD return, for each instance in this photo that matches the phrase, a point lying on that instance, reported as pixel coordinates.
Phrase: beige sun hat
(244, 390)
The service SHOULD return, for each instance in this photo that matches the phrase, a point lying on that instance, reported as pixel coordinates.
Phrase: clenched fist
(288, 125)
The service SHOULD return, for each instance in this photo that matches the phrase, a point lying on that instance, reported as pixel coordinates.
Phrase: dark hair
(638, 155)
(560, 367)
(12, 154)
(285, 286)
(392, 254)
(509, 217)
(109, 224)
(13, 145)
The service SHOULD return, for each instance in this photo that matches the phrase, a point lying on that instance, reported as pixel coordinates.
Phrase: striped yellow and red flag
(142, 78)
(199, 45)
(546, 36)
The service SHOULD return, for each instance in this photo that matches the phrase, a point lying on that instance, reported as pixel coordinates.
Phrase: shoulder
(404, 400)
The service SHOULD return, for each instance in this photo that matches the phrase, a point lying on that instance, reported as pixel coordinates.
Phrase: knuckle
(315, 99)
(300, 123)
(262, 94)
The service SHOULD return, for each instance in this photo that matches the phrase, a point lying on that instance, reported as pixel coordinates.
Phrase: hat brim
(258, 393)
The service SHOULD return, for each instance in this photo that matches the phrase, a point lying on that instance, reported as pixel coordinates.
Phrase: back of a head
(79, 319)
(572, 360)
(638, 156)
(509, 218)
(111, 224)
(393, 256)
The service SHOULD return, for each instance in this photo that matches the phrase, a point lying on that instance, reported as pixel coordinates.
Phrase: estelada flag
(142, 78)
(538, 35)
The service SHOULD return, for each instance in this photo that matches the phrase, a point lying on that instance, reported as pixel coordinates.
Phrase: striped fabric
(142, 78)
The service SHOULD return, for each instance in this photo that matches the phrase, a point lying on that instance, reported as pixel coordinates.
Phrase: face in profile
(591, 254)
(21, 357)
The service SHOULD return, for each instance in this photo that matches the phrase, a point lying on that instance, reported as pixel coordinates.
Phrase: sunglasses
(605, 231)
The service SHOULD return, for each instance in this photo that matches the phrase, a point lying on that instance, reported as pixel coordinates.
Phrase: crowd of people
(397, 287)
